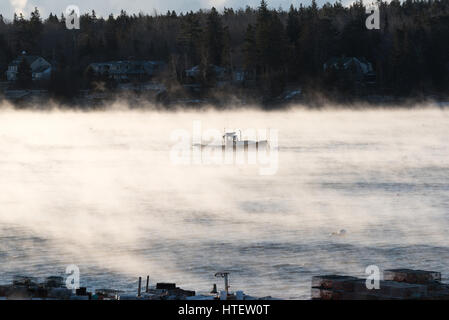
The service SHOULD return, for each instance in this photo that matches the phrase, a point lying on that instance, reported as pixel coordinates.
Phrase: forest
(274, 48)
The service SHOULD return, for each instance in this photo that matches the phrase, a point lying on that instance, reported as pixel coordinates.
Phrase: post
(226, 281)
(148, 284)
(224, 275)
(140, 287)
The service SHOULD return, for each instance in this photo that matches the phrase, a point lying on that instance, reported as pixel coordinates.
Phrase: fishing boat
(235, 141)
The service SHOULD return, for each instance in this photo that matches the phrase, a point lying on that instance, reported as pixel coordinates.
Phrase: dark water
(99, 190)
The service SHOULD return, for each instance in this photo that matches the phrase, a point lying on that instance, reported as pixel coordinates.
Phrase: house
(127, 69)
(25, 95)
(239, 76)
(154, 68)
(40, 68)
(218, 72)
(359, 67)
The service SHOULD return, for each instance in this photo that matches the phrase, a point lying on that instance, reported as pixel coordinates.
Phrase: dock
(397, 284)
(53, 288)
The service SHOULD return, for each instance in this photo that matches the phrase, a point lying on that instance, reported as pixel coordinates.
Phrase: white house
(40, 68)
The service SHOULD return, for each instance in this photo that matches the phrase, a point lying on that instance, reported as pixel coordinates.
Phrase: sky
(105, 7)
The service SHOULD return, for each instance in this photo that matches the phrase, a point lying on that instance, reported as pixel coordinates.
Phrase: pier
(398, 284)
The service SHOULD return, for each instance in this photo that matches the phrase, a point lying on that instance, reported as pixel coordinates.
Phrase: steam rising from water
(97, 189)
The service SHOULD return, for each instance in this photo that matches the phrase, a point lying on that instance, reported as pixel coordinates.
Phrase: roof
(29, 60)
(17, 94)
(128, 66)
(196, 69)
(346, 63)
(41, 69)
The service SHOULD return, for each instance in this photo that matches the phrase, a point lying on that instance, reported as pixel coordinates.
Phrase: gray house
(127, 69)
(219, 72)
(40, 68)
(359, 67)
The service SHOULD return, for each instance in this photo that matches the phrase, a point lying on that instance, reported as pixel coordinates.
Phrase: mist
(98, 189)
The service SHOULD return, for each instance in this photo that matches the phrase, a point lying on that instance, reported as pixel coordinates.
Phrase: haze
(97, 189)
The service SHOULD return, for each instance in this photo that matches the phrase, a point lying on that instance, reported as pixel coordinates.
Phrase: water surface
(98, 190)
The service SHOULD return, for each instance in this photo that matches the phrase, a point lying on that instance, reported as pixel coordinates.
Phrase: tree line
(274, 47)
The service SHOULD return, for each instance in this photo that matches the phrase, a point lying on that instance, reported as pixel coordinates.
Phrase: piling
(148, 284)
(140, 287)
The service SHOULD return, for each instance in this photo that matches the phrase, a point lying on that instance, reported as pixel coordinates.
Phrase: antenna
(224, 275)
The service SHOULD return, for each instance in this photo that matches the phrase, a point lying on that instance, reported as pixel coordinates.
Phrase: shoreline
(391, 284)
(376, 103)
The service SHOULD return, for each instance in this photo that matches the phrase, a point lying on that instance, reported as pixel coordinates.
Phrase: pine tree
(214, 38)
(36, 22)
(250, 51)
(271, 44)
(262, 37)
(52, 19)
(189, 39)
(293, 25)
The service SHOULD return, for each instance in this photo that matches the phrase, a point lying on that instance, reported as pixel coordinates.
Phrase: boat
(234, 141)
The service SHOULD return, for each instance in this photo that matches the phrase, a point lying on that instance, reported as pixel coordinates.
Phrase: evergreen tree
(293, 25)
(214, 38)
(408, 53)
(271, 44)
(189, 39)
(35, 25)
(250, 51)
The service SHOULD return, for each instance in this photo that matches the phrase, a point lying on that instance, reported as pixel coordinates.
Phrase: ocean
(100, 190)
